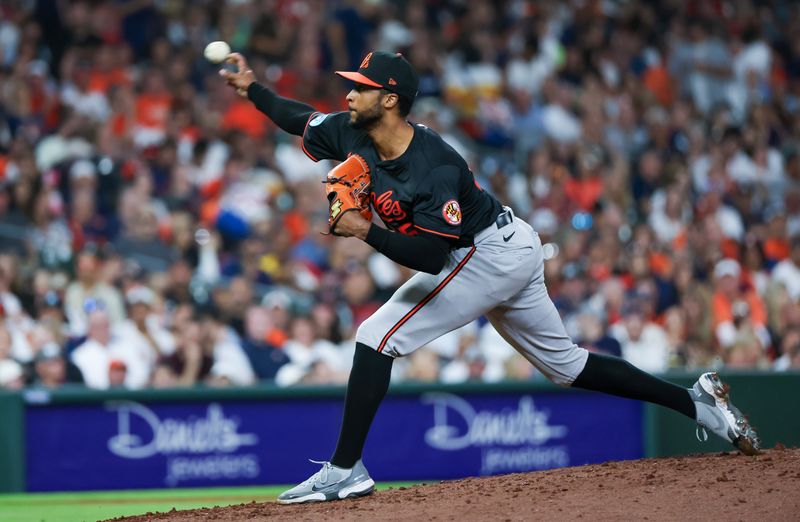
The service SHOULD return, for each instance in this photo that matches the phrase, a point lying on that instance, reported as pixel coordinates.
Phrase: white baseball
(216, 52)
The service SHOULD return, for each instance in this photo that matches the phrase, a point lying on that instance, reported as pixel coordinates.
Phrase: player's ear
(390, 100)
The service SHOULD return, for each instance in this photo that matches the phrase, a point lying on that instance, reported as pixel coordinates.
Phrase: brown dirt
(722, 486)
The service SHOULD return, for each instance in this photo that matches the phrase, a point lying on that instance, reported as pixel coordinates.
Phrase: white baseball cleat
(716, 412)
(330, 483)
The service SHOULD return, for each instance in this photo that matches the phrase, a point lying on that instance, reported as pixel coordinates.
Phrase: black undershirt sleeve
(290, 115)
(423, 253)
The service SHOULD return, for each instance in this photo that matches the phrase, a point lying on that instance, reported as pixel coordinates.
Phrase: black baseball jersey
(429, 188)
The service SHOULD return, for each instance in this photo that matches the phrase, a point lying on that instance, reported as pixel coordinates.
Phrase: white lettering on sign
(482, 428)
(213, 467)
(214, 433)
(496, 460)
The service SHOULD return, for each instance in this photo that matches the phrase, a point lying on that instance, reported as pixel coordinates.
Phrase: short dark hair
(403, 103)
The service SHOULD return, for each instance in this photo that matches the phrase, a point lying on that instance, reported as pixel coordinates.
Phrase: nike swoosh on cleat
(506, 238)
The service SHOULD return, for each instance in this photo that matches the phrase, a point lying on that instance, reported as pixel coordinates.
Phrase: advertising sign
(126, 444)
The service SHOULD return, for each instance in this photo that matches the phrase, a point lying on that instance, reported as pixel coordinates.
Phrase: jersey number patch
(452, 212)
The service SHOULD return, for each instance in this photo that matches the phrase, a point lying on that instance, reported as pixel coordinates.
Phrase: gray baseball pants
(501, 277)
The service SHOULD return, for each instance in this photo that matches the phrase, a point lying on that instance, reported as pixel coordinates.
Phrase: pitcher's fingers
(238, 59)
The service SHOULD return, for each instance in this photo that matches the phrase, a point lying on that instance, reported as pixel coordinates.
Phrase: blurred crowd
(156, 230)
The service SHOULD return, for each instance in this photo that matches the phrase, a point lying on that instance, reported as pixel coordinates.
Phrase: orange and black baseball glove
(348, 188)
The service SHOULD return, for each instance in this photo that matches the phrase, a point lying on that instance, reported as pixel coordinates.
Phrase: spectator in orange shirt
(658, 81)
(152, 110)
(242, 115)
(585, 189)
(737, 309)
(107, 71)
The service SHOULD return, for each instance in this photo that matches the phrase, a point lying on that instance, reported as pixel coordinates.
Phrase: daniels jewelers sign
(435, 435)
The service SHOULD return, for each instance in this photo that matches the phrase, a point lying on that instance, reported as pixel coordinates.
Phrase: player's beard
(368, 118)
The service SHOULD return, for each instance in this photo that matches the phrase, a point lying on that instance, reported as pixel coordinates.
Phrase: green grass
(101, 505)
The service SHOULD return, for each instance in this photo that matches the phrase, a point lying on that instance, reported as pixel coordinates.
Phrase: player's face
(365, 106)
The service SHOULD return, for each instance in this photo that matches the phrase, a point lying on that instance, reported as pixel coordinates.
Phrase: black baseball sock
(616, 376)
(369, 380)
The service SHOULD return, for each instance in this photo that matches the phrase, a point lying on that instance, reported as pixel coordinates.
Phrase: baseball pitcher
(474, 258)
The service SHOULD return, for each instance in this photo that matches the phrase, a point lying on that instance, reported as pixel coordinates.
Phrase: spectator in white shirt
(787, 272)
(644, 344)
(230, 363)
(790, 351)
(141, 341)
(89, 288)
(93, 357)
(310, 359)
(670, 211)
(12, 377)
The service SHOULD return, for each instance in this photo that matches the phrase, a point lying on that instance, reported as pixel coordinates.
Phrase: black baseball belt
(504, 218)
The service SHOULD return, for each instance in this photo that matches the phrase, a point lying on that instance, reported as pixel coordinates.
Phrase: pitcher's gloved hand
(348, 188)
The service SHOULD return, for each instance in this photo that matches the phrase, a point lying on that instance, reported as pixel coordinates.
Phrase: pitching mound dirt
(723, 486)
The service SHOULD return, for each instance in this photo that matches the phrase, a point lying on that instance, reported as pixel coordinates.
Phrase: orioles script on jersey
(388, 208)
